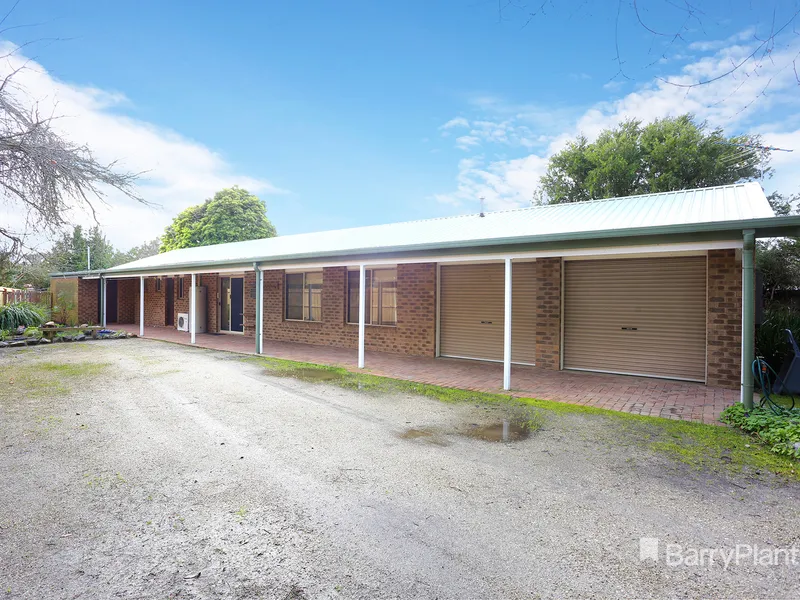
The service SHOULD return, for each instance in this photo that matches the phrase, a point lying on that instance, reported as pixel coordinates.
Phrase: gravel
(188, 473)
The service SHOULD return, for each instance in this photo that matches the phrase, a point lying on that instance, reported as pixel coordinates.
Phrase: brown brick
(724, 319)
(548, 315)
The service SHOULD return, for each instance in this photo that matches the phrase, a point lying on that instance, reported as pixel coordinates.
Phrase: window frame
(310, 292)
(158, 284)
(180, 288)
(369, 298)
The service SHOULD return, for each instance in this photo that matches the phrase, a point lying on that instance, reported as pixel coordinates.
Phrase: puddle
(425, 435)
(307, 374)
(505, 431)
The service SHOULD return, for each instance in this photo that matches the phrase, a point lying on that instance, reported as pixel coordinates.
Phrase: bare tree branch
(45, 174)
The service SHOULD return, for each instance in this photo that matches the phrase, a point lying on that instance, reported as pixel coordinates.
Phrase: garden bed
(34, 336)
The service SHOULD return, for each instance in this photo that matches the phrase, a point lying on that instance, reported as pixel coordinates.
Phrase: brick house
(658, 285)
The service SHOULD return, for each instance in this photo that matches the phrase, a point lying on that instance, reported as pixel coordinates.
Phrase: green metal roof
(730, 208)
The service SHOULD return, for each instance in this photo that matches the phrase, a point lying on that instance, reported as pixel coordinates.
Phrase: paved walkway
(638, 395)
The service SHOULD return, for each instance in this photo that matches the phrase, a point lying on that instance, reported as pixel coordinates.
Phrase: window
(180, 287)
(381, 294)
(158, 284)
(304, 296)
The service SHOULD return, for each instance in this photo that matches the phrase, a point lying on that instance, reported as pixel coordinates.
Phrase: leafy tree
(668, 154)
(783, 204)
(232, 215)
(31, 268)
(137, 252)
(69, 252)
(779, 263)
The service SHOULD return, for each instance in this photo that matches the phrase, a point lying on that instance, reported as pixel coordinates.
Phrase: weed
(44, 379)
(701, 446)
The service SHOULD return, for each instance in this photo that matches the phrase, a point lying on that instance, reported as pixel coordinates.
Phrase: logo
(678, 555)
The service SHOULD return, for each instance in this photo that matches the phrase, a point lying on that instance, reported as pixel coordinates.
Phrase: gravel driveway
(140, 469)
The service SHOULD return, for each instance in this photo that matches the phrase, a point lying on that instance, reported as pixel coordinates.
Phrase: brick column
(548, 313)
(211, 281)
(87, 301)
(250, 303)
(724, 319)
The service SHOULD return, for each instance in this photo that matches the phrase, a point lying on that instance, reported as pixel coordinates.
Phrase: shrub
(781, 432)
(771, 341)
(19, 314)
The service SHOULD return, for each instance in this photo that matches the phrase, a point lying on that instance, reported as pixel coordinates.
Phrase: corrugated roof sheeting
(718, 204)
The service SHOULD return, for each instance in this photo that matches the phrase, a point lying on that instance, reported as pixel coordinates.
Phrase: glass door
(232, 304)
(225, 308)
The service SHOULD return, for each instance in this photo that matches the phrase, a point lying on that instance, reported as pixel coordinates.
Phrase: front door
(169, 304)
(232, 304)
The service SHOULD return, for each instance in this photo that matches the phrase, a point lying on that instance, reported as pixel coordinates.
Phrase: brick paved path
(638, 395)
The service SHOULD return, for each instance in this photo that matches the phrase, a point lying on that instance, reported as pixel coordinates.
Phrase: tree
(70, 252)
(232, 215)
(137, 252)
(783, 204)
(779, 263)
(668, 154)
(43, 173)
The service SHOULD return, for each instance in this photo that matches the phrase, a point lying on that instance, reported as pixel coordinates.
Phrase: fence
(11, 295)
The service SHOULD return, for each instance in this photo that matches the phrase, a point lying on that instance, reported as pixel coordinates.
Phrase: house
(657, 285)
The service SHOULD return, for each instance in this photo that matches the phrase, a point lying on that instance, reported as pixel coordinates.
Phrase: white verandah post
(362, 313)
(259, 309)
(141, 306)
(192, 307)
(103, 302)
(507, 330)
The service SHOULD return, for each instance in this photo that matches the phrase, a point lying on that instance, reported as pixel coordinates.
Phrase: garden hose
(761, 373)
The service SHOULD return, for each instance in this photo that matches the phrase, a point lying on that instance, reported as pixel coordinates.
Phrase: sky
(349, 113)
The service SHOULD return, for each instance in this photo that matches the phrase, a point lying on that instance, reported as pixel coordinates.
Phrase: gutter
(766, 227)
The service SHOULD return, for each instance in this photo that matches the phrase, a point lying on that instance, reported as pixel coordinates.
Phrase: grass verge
(46, 378)
(711, 448)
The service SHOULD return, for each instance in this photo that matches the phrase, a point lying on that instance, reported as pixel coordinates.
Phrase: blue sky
(351, 113)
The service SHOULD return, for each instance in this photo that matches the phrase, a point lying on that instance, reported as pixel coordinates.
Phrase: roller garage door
(472, 311)
(640, 316)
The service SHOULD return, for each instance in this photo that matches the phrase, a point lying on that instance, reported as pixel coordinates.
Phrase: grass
(712, 448)
(46, 378)
(785, 401)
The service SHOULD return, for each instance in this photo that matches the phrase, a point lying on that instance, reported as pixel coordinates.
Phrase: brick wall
(154, 302)
(724, 318)
(548, 314)
(88, 302)
(211, 281)
(414, 334)
(128, 301)
(249, 317)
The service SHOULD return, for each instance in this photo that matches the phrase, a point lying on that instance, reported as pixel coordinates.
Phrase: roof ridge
(581, 202)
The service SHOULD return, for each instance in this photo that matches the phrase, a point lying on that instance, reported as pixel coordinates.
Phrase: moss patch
(711, 448)
(45, 379)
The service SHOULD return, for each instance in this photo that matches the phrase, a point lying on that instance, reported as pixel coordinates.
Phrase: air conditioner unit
(183, 321)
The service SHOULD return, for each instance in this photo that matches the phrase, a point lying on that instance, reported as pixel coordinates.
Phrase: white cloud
(757, 93)
(503, 184)
(179, 172)
(453, 123)
(466, 142)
